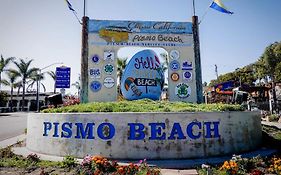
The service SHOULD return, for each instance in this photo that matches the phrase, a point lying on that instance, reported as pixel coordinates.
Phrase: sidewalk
(274, 124)
(11, 141)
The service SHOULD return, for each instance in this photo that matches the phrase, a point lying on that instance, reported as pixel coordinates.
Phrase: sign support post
(195, 28)
(84, 61)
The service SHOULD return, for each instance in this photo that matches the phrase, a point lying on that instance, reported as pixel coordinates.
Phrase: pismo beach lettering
(136, 131)
(160, 38)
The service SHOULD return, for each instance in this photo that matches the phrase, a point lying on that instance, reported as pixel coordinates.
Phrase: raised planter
(144, 135)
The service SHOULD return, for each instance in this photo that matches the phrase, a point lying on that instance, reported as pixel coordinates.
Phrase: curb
(12, 141)
(272, 124)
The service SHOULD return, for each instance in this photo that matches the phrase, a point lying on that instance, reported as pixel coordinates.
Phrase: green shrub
(145, 105)
(68, 162)
(273, 118)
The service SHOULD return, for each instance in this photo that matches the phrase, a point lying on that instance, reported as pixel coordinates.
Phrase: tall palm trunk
(11, 99)
(55, 89)
(0, 80)
(274, 95)
(23, 95)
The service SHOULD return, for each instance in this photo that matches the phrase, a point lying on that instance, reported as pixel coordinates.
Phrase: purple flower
(87, 160)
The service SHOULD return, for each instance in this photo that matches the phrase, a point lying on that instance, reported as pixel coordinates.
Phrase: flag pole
(84, 11)
(84, 59)
(193, 4)
(198, 71)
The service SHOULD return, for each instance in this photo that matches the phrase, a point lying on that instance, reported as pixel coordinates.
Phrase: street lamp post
(38, 84)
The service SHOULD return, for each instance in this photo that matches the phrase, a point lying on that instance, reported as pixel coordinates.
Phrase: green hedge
(145, 105)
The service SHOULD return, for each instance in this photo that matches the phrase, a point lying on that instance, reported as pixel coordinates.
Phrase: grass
(145, 105)
(9, 159)
(272, 132)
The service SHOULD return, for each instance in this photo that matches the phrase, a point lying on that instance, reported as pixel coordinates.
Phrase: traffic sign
(63, 77)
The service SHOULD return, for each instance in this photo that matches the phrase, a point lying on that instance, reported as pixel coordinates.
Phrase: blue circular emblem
(95, 58)
(187, 75)
(95, 86)
(174, 65)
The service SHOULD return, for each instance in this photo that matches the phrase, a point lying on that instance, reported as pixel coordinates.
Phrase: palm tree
(34, 78)
(25, 72)
(12, 77)
(77, 85)
(54, 77)
(121, 65)
(3, 64)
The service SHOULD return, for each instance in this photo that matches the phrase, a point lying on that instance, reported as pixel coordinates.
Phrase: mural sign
(142, 78)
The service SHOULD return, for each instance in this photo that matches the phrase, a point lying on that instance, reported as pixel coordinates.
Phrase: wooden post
(198, 72)
(84, 61)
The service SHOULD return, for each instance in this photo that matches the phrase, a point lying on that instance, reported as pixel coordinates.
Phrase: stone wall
(144, 135)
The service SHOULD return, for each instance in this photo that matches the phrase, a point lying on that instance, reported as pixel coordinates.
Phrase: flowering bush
(230, 167)
(241, 166)
(275, 166)
(71, 100)
(98, 165)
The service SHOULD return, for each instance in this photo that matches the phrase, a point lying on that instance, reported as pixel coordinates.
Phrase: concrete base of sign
(144, 135)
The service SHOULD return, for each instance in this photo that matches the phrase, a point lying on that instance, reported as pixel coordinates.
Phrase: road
(12, 124)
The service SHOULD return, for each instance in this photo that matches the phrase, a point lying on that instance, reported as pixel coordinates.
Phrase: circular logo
(95, 86)
(109, 68)
(175, 76)
(182, 90)
(108, 55)
(95, 59)
(187, 75)
(95, 73)
(174, 65)
(108, 82)
(174, 54)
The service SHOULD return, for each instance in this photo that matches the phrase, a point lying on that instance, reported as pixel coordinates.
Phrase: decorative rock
(143, 77)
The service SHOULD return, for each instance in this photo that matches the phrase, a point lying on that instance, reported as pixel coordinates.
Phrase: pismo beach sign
(144, 135)
(143, 76)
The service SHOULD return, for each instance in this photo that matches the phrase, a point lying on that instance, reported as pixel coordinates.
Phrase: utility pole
(216, 71)
(84, 59)
(198, 73)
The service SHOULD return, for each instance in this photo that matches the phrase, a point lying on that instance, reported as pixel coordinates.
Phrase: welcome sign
(144, 135)
(106, 37)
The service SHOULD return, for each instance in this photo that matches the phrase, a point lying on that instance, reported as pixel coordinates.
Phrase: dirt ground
(35, 171)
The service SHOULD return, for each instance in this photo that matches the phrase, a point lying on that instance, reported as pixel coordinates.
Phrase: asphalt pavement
(12, 124)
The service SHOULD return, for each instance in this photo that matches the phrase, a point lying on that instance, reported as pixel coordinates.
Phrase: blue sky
(48, 32)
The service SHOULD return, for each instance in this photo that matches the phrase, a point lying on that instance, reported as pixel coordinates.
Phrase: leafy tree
(272, 59)
(3, 64)
(223, 78)
(13, 83)
(54, 77)
(25, 72)
(261, 72)
(3, 98)
(245, 75)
